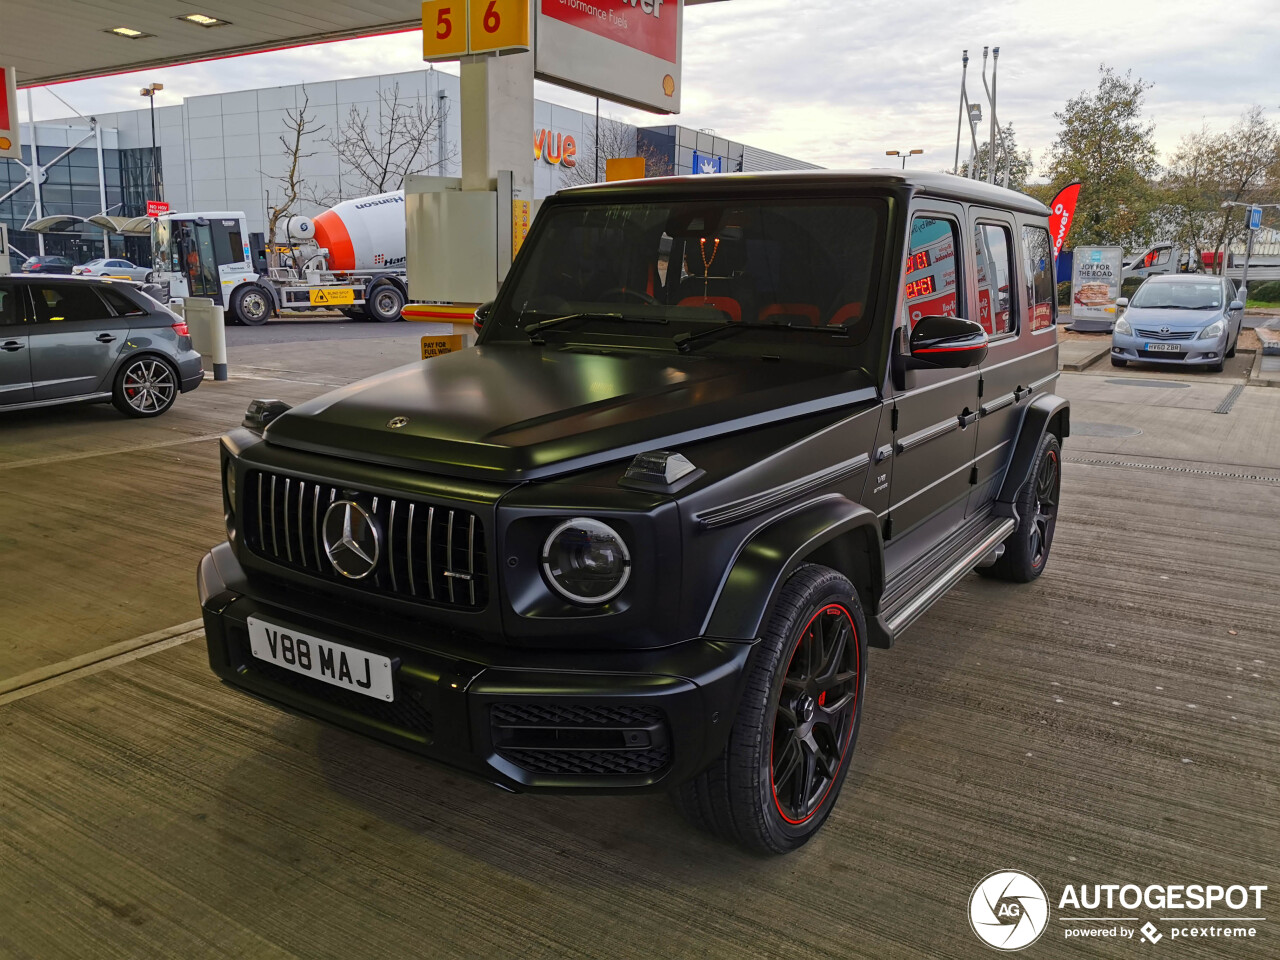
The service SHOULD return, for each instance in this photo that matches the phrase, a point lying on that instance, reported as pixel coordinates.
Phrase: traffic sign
(157, 208)
(444, 29)
(499, 25)
(1255, 218)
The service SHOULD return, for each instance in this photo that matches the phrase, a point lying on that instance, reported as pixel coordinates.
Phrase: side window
(11, 308)
(1041, 292)
(121, 305)
(930, 281)
(1163, 257)
(66, 302)
(995, 278)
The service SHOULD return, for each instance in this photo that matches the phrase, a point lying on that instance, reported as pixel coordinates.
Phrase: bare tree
(299, 128)
(1191, 191)
(616, 141)
(400, 140)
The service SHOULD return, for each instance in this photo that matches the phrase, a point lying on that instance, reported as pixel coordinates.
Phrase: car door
(933, 412)
(74, 340)
(15, 355)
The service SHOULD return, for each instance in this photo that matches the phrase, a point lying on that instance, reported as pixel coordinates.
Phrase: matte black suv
(718, 435)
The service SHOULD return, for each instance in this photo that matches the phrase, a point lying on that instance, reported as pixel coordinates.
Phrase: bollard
(208, 328)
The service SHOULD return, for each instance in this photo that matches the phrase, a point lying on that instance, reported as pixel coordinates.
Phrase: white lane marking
(64, 457)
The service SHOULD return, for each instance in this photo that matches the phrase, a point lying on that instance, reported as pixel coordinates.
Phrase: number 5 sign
(455, 28)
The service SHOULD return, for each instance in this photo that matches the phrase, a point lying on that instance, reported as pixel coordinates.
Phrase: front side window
(67, 302)
(994, 250)
(930, 281)
(798, 273)
(1038, 256)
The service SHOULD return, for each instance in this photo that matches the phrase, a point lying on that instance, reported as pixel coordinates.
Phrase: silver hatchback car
(1187, 319)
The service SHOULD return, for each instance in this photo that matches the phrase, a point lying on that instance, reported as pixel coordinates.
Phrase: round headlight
(586, 561)
(229, 484)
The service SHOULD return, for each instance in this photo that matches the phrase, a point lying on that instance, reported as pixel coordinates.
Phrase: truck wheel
(779, 776)
(384, 302)
(1026, 551)
(250, 305)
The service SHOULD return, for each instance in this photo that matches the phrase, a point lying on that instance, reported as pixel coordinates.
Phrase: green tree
(1019, 162)
(1104, 143)
(1246, 160)
(1191, 192)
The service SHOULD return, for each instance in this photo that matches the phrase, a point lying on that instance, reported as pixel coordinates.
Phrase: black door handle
(105, 338)
(10, 346)
(967, 418)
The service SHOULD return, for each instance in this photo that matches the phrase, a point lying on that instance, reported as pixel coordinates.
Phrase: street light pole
(150, 93)
(903, 154)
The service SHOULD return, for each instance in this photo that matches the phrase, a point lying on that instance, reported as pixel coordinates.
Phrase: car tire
(786, 710)
(1217, 367)
(250, 305)
(1026, 550)
(1230, 354)
(1119, 363)
(145, 387)
(383, 302)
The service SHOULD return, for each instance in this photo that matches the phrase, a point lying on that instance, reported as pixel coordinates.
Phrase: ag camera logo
(1008, 910)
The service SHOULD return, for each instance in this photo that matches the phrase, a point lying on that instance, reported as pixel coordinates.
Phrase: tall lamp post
(150, 93)
(903, 154)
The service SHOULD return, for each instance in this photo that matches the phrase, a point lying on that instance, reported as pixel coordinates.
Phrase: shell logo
(669, 85)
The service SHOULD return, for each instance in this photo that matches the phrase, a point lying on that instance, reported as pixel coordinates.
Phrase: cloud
(839, 82)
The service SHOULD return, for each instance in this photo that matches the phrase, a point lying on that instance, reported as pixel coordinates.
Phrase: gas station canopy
(62, 222)
(76, 39)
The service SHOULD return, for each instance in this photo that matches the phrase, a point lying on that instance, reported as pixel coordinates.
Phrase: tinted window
(1038, 257)
(995, 278)
(65, 302)
(11, 310)
(121, 305)
(930, 282)
(120, 263)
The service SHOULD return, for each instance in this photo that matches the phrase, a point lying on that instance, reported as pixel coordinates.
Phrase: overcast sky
(838, 82)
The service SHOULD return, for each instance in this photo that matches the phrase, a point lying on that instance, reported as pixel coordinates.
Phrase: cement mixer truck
(350, 258)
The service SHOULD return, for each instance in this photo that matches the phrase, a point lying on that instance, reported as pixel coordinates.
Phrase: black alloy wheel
(815, 714)
(1026, 550)
(787, 754)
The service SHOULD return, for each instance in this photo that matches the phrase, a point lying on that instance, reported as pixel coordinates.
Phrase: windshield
(1179, 296)
(164, 257)
(793, 274)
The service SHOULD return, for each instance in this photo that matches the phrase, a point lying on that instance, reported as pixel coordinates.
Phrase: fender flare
(1044, 411)
(832, 530)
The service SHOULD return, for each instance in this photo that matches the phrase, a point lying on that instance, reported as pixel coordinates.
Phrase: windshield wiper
(535, 329)
(683, 340)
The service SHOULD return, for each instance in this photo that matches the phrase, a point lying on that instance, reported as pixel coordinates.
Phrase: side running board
(912, 607)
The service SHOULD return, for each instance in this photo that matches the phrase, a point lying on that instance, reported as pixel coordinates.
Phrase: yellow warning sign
(438, 346)
(340, 296)
(519, 224)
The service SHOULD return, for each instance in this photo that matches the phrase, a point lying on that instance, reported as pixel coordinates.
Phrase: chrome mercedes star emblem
(351, 539)
(395, 423)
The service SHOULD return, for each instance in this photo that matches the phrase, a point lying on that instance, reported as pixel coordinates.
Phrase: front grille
(429, 553)
(1173, 335)
(404, 713)
(582, 740)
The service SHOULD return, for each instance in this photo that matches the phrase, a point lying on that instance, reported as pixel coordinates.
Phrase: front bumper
(524, 719)
(1190, 352)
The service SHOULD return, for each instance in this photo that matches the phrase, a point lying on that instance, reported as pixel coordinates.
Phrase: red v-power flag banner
(9, 148)
(1061, 211)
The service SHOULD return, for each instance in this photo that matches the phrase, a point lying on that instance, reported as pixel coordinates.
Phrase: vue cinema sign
(555, 148)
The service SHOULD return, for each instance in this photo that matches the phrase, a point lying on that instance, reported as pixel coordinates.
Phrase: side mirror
(1122, 303)
(1235, 306)
(482, 314)
(947, 342)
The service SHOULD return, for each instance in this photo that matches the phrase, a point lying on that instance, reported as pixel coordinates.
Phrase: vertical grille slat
(417, 550)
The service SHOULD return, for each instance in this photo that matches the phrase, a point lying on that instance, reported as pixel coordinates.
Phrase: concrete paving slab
(1075, 355)
(1096, 726)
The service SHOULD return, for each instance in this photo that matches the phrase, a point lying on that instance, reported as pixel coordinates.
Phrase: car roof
(1182, 278)
(66, 278)
(943, 185)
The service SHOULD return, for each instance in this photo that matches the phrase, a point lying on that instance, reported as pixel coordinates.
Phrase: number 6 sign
(455, 28)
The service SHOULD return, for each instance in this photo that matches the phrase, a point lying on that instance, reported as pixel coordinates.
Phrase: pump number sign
(455, 28)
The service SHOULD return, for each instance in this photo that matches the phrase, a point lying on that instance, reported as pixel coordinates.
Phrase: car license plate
(348, 667)
(1163, 348)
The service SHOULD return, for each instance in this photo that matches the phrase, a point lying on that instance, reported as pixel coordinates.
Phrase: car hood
(516, 412)
(1157, 317)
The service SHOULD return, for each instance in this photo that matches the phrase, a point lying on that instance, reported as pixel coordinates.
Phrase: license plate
(348, 667)
(1163, 348)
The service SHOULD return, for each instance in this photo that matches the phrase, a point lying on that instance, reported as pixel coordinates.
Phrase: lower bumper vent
(582, 740)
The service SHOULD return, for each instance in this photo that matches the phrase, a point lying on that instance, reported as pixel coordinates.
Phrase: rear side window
(121, 305)
(930, 281)
(66, 302)
(1041, 299)
(11, 310)
(994, 248)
